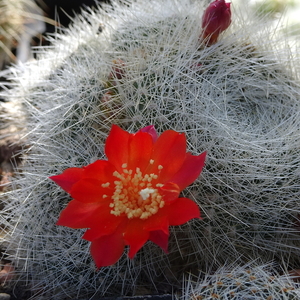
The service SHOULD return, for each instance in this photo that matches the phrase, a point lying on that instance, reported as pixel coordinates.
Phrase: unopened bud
(117, 69)
(216, 19)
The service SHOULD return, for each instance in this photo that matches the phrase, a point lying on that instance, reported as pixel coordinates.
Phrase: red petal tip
(151, 130)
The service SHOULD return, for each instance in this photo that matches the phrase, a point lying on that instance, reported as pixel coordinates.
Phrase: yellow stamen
(135, 194)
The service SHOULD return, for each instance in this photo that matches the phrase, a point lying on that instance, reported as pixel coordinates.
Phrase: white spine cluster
(238, 100)
(247, 282)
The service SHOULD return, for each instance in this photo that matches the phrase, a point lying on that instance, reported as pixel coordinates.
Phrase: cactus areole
(216, 19)
(133, 196)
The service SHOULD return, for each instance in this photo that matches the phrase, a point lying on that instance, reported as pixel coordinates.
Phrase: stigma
(145, 193)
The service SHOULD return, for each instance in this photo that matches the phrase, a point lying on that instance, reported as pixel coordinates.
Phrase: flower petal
(101, 170)
(169, 151)
(159, 221)
(78, 214)
(160, 238)
(104, 223)
(68, 178)
(182, 210)
(90, 190)
(170, 191)
(151, 130)
(108, 249)
(139, 151)
(116, 147)
(135, 236)
(189, 171)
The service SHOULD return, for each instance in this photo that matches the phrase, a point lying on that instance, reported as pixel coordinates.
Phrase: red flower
(133, 196)
(216, 18)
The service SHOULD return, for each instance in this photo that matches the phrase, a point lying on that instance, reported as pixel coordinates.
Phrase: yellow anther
(160, 167)
(135, 195)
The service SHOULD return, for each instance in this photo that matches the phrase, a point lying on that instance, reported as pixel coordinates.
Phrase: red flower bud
(118, 71)
(216, 18)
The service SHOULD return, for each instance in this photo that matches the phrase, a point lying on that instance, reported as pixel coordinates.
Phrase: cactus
(140, 64)
(244, 282)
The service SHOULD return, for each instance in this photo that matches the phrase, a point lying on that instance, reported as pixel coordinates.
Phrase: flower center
(136, 194)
